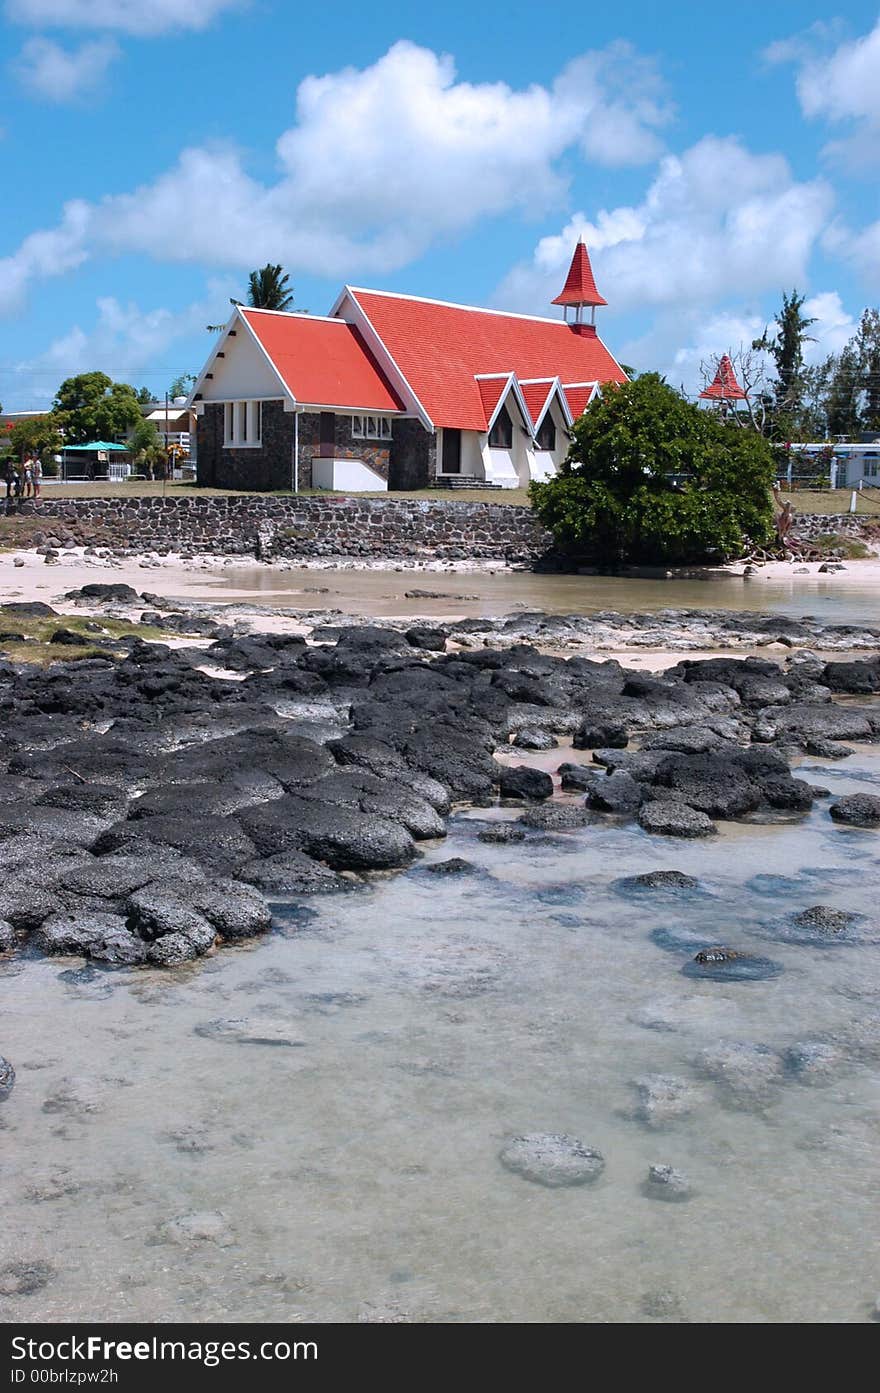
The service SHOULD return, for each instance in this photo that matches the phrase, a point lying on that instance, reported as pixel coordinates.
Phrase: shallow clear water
(357, 1171)
(846, 597)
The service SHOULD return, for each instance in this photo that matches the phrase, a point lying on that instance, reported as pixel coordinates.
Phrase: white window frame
(371, 427)
(242, 425)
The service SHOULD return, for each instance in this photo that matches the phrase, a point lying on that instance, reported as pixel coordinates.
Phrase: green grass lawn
(140, 488)
(804, 500)
(28, 640)
(834, 501)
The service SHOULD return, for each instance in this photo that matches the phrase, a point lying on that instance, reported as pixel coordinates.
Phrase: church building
(395, 391)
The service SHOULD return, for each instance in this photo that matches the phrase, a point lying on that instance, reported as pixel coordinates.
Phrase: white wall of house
(346, 475)
(472, 442)
(511, 468)
(862, 467)
(243, 373)
(543, 464)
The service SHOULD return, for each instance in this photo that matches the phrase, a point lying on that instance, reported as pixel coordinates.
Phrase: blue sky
(155, 150)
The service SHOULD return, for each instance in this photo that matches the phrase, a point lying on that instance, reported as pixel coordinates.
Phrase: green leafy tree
(93, 407)
(182, 385)
(650, 477)
(868, 340)
(144, 395)
(786, 348)
(844, 393)
(147, 448)
(36, 435)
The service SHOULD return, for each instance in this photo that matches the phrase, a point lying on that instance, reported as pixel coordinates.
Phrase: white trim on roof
(265, 352)
(557, 390)
(386, 359)
(512, 386)
(353, 410)
(293, 314)
(218, 346)
(454, 305)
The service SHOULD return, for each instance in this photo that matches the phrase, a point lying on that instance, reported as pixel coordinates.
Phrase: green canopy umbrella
(93, 447)
(97, 445)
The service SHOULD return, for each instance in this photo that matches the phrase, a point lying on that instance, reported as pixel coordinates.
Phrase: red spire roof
(724, 386)
(580, 285)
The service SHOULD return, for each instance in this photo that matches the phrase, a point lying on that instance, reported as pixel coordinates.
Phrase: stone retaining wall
(303, 527)
(306, 527)
(810, 525)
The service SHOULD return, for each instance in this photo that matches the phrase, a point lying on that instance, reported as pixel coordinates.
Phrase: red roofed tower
(724, 386)
(580, 291)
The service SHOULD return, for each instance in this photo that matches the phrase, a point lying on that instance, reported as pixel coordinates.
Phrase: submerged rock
(654, 882)
(454, 866)
(813, 1061)
(662, 1100)
(821, 926)
(7, 1078)
(669, 818)
(25, 1278)
(722, 964)
(502, 832)
(748, 1076)
(667, 1183)
(76, 1095)
(857, 810)
(552, 1159)
(251, 1030)
(675, 939)
(556, 817)
(206, 1226)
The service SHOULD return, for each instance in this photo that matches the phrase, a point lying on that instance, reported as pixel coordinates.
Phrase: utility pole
(165, 469)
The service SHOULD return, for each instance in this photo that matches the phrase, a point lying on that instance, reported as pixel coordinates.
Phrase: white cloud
(834, 325)
(676, 344)
(47, 70)
(840, 84)
(381, 163)
(618, 100)
(140, 17)
(125, 341)
(717, 221)
(51, 252)
(861, 248)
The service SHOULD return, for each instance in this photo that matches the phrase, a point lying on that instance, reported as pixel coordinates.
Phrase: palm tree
(268, 289)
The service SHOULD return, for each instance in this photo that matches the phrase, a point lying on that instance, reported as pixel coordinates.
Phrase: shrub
(652, 478)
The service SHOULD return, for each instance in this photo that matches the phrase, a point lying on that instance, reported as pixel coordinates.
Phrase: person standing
(27, 477)
(37, 477)
(13, 488)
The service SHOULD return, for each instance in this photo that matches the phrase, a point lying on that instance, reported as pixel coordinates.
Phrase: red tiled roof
(536, 394)
(490, 389)
(580, 284)
(578, 398)
(324, 362)
(440, 349)
(724, 386)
